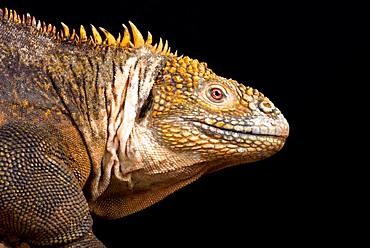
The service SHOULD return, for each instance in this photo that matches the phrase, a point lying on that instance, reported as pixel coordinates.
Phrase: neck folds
(125, 97)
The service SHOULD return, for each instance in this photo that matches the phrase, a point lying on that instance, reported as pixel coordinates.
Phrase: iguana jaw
(280, 130)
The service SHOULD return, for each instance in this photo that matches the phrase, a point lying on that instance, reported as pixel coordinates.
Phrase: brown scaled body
(111, 126)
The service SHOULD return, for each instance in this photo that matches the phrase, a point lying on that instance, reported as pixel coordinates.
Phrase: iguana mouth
(233, 132)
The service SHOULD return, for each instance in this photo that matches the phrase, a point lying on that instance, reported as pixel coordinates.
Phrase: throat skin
(158, 172)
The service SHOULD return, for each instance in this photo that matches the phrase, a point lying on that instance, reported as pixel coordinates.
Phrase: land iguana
(111, 125)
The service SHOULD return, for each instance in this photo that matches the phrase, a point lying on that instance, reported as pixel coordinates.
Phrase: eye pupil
(216, 93)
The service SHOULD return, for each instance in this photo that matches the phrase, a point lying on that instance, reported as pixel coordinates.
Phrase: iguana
(111, 125)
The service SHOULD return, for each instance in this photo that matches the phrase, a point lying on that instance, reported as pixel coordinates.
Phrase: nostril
(266, 106)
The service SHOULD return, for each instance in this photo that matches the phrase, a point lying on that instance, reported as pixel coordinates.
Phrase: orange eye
(216, 93)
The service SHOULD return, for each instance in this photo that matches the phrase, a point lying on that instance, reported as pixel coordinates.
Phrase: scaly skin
(125, 121)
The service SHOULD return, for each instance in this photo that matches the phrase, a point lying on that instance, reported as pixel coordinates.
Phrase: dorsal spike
(28, 19)
(73, 35)
(44, 27)
(19, 19)
(149, 40)
(138, 37)
(50, 28)
(65, 30)
(154, 48)
(38, 26)
(118, 40)
(126, 37)
(168, 51)
(164, 51)
(60, 35)
(160, 46)
(83, 36)
(109, 38)
(175, 53)
(6, 14)
(34, 23)
(11, 15)
(97, 38)
(91, 40)
(15, 17)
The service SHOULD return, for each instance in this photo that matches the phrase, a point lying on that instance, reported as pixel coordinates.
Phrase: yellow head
(204, 115)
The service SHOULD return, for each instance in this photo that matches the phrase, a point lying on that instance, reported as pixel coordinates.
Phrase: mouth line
(247, 130)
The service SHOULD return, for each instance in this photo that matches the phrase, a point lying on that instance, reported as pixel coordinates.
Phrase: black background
(308, 58)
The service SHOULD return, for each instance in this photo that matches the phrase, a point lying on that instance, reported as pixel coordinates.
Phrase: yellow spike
(175, 53)
(66, 30)
(118, 38)
(50, 28)
(29, 19)
(168, 51)
(138, 37)
(154, 48)
(34, 23)
(15, 17)
(11, 15)
(61, 35)
(73, 35)
(164, 51)
(44, 27)
(126, 37)
(38, 26)
(19, 19)
(83, 36)
(97, 38)
(91, 40)
(149, 40)
(109, 38)
(160, 46)
(6, 14)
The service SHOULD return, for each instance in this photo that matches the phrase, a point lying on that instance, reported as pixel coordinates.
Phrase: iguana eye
(216, 93)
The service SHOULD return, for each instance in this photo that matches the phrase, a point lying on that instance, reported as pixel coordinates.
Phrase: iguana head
(211, 118)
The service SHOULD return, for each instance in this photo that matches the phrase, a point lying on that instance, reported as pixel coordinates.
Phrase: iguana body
(111, 127)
